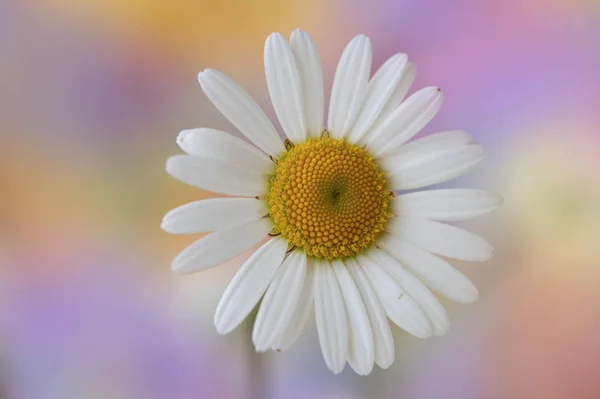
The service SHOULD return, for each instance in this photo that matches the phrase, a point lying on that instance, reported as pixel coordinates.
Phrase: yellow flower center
(329, 198)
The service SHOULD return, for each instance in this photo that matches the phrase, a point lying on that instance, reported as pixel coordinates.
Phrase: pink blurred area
(93, 96)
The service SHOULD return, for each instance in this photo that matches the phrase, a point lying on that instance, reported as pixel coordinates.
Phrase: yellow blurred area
(552, 192)
(226, 29)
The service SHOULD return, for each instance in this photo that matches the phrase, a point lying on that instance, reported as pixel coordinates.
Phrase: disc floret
(329, 198)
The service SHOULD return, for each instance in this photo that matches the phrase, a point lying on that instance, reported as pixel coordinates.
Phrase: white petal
(216, 248)
(311, 78)
(212, 143)
(441, 239)
(279, 302)
(361, 349)
(424, 151)
(406, 121)
(330, 313)
(379, 90)
(432, 270)
(382, 334)
(248, 285)
(302, 313)
(217, 176)
(408, 77)
(213, 214)
(349, 86)
(415, 289)
(439, 142)
(400, 307)
(241, 110)
(427, 167)
(285, 87)
(446, 205)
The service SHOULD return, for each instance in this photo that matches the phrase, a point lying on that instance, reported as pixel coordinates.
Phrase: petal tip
(164, 225)
(385, 364)
(486, 256)
(259, 346)
(220, 325)
(400, 58)
(169, 164)
(182, 135)
(498, 200)
(441, 333)
(474, 296)
(172, 163)
(366, 42)
(180, 265)
(337, 369)
(177, 267)
(272, 39)
(220, 330)
(357, 40)
(433, 91)
(298, 32)
(206, 74)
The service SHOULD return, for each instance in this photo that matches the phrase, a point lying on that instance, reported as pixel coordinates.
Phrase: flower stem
(257, 378)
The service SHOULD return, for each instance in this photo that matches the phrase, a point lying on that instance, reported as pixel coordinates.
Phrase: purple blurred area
(93, 95)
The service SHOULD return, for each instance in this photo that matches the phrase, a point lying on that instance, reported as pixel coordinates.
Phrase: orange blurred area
(200, 30)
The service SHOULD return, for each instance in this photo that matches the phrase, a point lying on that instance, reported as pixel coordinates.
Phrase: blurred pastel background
(92, 96)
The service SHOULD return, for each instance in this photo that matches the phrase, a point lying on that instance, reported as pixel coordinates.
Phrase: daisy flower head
(341, 242)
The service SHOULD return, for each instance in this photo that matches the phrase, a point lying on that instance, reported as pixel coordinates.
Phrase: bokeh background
(92, 96)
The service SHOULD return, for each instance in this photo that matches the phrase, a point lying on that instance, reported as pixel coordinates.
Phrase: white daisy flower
(339, 239)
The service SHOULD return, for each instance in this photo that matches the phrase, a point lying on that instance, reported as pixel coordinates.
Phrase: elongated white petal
(432, 270)
(302, 313)
(213, 214)
(330, 313)
(217, 176)
(417, 159)
(406, 121)
(382, 334)
(349, 86)
(400, 307)
(379, 90)
(424, 168)
(441, 239)
(446, 205)
(436, 142)
(415, 289)
(241, 110)
(409, 73)
(216, 248)
(279, 302)
(311, 78)
(285, 87)
(361, 348)
(248, 285)
(212, 143)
